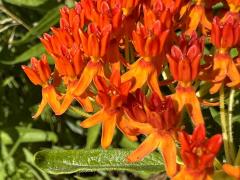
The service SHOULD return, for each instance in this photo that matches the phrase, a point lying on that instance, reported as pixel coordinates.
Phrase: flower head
(184, 60)
(198, 152)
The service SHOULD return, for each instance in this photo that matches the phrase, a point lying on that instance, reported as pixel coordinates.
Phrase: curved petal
(232, 170)
(41, 106)
(169, 152)
(194, 109)
(147, 146)
(108, 128)
(153, 83)
(52, 98)
(85, 103)
(89, 72)
(93, 120)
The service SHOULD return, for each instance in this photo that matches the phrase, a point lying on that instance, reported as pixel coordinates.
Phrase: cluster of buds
(108, 52)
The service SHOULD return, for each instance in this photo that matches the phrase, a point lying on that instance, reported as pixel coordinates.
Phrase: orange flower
(94, 44)
(198, 154)
(72, 19)
(69, 64)
(231, 170)
(225, 32)
(111, 98)
(149, 44)
(184, 64)
(103, 13)
(195, 15)
(224, 36)
(40, 74)
(161, 116)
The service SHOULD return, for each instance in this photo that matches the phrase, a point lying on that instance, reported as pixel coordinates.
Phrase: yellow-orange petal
(193, 108)
(108, 128)
(41, 106)
(168, 149)
(231, 170)
(153, 83)
(52, 98)
(67, 100)
(89, 72)
(94, 119)
(85, 103)
(147, 146)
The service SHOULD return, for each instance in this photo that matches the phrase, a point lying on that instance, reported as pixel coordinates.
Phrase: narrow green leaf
(50, 19)
(215, 115)
(30, 3)
(92, 136)
(77, 112)
(71, 161)
(28, 135)
(35, 51)
(30, 159)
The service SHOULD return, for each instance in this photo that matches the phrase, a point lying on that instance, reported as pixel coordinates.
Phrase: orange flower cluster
(120, 48)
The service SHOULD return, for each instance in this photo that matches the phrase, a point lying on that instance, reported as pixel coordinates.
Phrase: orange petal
(108, 127)
(194, 109)
(215, 87)
(232, 170)
(85, 103)
(153, 83)
(86, 78)
(147, 146)
(233, 74)
(33, 76)
(67, 100)
(52, 98)
(41, 106)
(94, 119)
(169, 152)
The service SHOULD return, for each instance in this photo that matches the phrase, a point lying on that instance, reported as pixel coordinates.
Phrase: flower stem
(230, 134)
(224, 123)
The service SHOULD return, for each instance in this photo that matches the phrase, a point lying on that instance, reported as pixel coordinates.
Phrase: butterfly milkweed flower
(224, 36)
(110, 97)
(148, 40)
(39, 73)
(94, 44)
(194, 15)
(162, 117)
(184, 62)
(198, 154)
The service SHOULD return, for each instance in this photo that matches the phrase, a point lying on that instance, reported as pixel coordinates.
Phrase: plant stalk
(225, 128)
(230, 116)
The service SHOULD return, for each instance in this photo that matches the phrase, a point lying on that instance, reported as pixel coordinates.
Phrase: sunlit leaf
(51, 18)
(31, 3)
(71, 161)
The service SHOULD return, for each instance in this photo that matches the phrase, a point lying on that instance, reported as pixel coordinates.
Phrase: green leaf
(30, 3)
(30, 159)
(35, 51)
(89, 160)
(77, 112)
(92, 136)
(215, 115)
(28, 135)
(50, 19)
